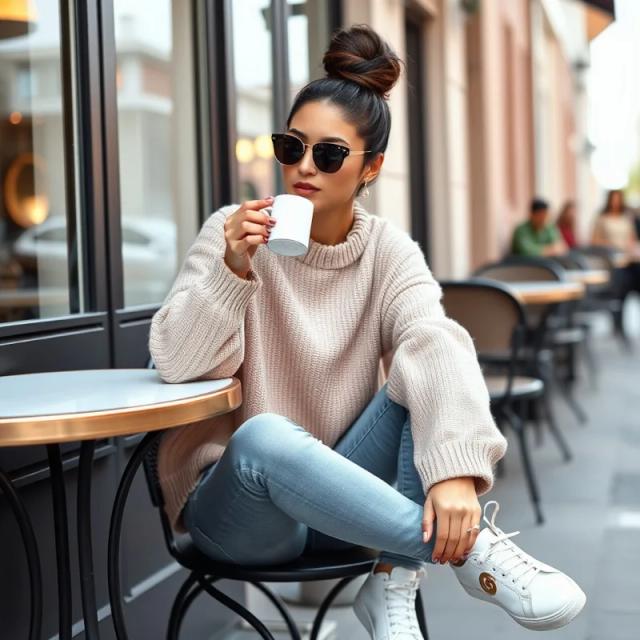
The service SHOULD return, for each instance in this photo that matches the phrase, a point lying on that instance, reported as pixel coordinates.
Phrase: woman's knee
(267, 434)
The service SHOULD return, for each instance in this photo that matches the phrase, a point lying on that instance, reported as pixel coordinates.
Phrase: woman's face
(323, 122)
(615, 203)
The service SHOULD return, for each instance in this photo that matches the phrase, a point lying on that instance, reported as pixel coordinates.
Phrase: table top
(545, 292)
(66, 406)
(588, 276)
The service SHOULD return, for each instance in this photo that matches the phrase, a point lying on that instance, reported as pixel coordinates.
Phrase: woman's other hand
(454, 505)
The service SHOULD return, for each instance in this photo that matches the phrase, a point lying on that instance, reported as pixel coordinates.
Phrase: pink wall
(501, 125)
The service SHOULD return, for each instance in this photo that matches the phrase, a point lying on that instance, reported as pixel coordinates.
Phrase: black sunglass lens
(287, 149)
(328, 157)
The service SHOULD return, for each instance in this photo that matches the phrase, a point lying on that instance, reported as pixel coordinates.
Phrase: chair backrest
(522, 269)
(596, 256)
(489, 312)
(572, 260)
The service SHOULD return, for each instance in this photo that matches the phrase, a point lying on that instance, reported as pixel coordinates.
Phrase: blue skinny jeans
(277, 491)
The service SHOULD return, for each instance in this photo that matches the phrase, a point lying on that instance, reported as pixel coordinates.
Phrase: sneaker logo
(488, 584)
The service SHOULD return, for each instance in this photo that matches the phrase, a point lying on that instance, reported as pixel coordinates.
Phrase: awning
(599, 15)
(603, 5)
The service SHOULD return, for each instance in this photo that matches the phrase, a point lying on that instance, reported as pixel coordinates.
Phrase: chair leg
(422, 622)
(326, 603)
(535, 409)
(565, 388)
(284, 612)
(589, 356)
(618, 326)
(188, 592)
(518, 427)
(243, 612)
(553, 427)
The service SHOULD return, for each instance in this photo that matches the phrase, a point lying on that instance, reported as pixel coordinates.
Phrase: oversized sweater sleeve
(435, 374)
(199, 330)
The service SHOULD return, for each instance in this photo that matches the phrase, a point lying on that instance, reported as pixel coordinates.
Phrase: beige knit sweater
(305, 336)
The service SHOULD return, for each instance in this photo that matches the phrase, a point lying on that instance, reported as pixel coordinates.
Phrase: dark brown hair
(563, 216)
(607, 206)
(361, 71)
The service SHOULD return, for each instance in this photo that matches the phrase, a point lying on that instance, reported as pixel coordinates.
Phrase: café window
(253, 77)
(40, 273)
(309, 30)
(264, 81)
(157, 143)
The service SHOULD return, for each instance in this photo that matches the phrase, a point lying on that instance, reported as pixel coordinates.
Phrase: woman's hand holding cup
(244, 231)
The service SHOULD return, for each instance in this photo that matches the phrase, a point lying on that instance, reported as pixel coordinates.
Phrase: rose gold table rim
(71, 427)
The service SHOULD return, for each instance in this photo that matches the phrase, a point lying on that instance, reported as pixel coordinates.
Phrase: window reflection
(156, 138)
(34, 259)
(254, 107)
(308, 30)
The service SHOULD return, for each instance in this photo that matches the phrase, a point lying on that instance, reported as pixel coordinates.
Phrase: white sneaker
(386, 604)
(534, 594)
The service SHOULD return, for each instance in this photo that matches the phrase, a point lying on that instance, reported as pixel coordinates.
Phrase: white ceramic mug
(290, 235)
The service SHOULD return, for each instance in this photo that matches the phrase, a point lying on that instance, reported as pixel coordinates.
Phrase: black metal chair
(611, 297)
(495, 321)
(344, 565)
(552, 332)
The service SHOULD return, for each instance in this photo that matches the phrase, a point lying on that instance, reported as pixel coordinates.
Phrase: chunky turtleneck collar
(337, 256)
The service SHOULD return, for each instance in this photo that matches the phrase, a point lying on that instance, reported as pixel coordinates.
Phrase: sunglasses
(327, 156)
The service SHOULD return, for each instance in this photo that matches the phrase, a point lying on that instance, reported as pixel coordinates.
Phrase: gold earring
(365, 191)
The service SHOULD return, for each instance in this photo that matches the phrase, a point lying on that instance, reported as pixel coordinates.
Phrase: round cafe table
(69, 406)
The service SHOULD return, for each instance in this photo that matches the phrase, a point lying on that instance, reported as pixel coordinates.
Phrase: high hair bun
(360, 55)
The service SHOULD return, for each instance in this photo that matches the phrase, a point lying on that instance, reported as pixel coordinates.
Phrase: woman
(566, 223)
(615, 228)
(316, 446)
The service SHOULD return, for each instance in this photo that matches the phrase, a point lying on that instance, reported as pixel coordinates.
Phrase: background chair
(609, 298)
(344, 565)
(553, 336)
(495, 320)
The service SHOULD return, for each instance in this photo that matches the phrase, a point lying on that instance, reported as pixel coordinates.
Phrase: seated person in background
(536, 236)
(566, 223)
(615, 226)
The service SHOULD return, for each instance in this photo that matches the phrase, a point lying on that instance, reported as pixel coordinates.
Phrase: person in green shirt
(536, 236)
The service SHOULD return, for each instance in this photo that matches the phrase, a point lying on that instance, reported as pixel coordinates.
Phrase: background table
(588, 276)
(546, 292)
(67, 406)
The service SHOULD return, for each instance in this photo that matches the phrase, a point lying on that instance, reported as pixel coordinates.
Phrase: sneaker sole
(556, 620)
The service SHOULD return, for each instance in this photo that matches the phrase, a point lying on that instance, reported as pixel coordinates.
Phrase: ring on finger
(475, 526)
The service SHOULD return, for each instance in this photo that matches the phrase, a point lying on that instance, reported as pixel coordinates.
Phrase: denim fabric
(277, 491)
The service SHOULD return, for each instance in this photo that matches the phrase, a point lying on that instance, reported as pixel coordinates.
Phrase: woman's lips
(304, 190)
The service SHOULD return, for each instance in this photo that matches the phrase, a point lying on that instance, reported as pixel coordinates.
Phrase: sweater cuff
(224, 286)
(461, 459)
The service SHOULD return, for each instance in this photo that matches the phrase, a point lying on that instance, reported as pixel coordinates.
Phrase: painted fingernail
(435, 559)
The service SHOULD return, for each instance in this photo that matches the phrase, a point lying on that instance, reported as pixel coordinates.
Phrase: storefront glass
(36, 254)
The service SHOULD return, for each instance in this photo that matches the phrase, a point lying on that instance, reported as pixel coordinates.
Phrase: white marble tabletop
(38, 408)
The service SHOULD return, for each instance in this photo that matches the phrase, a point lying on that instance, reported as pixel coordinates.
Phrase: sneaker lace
(401, 608)
(509, 558)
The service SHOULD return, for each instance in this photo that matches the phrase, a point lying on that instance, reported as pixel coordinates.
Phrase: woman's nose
(307, 166)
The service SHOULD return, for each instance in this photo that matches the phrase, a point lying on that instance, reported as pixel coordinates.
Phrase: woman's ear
(374, 168)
